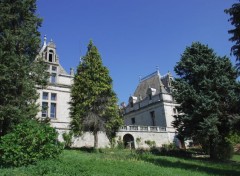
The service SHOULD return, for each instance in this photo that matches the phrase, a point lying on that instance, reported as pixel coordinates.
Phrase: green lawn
(124, 162)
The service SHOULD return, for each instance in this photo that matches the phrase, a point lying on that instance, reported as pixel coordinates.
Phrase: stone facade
(149, 112)
(53, 99)
(152, 103)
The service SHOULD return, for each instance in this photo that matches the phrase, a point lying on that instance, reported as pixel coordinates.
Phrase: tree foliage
(234, 13)
(19, 74)
(207, 91)
(93, 102)
(29, 142)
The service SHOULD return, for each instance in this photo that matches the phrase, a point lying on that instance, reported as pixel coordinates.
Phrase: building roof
(153, 80)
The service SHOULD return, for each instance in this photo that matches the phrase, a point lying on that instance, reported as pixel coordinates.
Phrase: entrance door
(128, 141)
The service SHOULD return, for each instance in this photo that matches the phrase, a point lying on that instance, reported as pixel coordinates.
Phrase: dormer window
(51, 56)
(132, 100)
(150, 93)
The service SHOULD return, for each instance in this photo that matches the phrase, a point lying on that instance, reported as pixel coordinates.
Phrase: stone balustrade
(142, 128)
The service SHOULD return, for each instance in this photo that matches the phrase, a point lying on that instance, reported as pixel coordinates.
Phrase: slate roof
(153, 80)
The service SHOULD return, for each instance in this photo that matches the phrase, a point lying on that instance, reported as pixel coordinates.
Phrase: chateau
(152, 103)
(148, 115)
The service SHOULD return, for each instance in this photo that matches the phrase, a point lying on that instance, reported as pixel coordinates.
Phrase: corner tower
(53, 99)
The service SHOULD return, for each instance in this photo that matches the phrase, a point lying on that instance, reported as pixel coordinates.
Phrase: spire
(157, 69)
(45, 40)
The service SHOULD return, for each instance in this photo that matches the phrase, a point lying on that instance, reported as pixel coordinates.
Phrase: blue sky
(134, 36)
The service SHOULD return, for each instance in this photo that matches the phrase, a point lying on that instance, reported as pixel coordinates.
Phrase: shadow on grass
(84, 149)
(194, 167)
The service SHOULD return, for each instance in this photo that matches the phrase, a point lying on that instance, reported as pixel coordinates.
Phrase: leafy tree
(206, 89)
(19, 74)
(93, 103)
(234, 13)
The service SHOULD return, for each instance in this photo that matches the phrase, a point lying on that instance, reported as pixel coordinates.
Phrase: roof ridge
(149, 76)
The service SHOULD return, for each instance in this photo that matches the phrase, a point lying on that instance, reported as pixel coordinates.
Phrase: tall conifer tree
(93, 102)
(19, 74)
(207, 93)
(234, 13)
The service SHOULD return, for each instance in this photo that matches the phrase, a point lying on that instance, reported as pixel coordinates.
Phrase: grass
(124, 163)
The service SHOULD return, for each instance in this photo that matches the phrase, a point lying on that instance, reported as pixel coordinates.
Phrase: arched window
(51, 56)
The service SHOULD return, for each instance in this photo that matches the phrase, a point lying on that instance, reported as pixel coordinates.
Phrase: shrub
(29, 142)
(168, 147)
(120, 144)
(138, 141)
(223, 150)
(112, 142)
(150, 143)
(234, 139)
(67, 137)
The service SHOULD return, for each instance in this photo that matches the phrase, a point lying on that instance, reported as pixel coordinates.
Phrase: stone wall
(87, 139)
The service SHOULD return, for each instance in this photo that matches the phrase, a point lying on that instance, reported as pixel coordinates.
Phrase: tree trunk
(182, 143)
(211, 148)
(95, 134)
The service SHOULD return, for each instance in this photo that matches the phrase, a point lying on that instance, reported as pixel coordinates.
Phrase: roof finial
(45, 40)
(140, 78)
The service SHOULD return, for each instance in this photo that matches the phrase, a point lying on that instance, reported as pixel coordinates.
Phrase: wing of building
(54, 98)
(152, 103)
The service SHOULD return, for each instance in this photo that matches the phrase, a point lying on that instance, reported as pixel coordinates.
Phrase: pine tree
(234, 13)
(93, 102)
(19, 74)
(208, 98)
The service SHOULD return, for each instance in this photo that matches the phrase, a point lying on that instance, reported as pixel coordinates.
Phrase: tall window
(53, 110)
(131, 104)
(152, 113)
(53, 74)
(133, 121)
(49, 105)
(51, 56)
(53, 96)
(45, 96)
(53, 78)
(44, 109)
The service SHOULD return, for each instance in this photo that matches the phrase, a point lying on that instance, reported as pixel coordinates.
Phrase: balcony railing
(142, 128)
